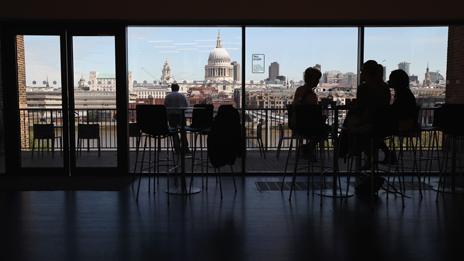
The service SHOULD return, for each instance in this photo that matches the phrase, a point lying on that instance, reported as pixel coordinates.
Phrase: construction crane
(147, 72)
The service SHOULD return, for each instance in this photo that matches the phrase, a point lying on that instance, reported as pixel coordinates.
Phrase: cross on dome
(218, 40)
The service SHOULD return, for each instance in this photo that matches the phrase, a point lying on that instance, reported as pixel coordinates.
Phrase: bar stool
(225, 142)
(153, 124)
(202, 118)
(448, 116)
(282, 138)
(259, 138)
(432, 140)
(408, 138)
(134, 132)
(364, 139)
(309, 125)
(290, 148)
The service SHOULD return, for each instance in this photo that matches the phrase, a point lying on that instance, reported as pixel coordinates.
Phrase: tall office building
(273, 71)
(404, 66)
(235, 71)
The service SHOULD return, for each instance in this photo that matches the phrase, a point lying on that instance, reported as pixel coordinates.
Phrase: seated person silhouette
(305, 95)
(175, 103)
(366, 118)
(383, 125)
(403, 109)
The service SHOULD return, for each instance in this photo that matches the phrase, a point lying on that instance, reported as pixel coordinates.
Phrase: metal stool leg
(286, 164)
(297, 154)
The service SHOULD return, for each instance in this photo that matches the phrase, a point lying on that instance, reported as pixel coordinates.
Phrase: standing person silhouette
(175, 103)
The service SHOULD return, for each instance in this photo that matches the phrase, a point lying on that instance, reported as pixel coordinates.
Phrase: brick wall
(22, 90)
(455, 65)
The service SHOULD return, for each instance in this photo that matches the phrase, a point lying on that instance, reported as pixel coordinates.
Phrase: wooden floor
(246, 225)
(254, 164)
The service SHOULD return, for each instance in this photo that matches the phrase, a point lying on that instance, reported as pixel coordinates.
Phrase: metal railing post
(267, 130)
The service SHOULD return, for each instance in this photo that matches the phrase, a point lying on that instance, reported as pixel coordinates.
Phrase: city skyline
(186, 50)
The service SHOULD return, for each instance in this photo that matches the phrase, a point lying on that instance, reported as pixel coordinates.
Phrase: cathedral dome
(219, 55)
(219, 67)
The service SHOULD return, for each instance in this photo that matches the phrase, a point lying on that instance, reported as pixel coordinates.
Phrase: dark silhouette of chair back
(290, 118)
(281, 131)
(308, 121)
(225, 140)
(152, 119)
(447, 119)
(259, 130)
(44, 131)
(88, 131)
(134, 130)
(202, 116)
(436, 117)
(409, 125)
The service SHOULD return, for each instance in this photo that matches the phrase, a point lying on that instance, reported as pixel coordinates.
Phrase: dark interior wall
(2, 126)
(333, 11)
(455, 65)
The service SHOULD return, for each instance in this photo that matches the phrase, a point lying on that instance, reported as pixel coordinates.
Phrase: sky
(187, 49)
(417, 46)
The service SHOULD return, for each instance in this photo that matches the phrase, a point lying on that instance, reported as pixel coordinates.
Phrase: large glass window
(276, 59)
(95, 101)
(420, 51)
(204, 61)
(40, 100)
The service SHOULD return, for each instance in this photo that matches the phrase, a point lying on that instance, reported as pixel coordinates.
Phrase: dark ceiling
(239, 11)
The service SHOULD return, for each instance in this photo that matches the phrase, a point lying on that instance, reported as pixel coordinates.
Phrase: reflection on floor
(247, 225)
(254, 162)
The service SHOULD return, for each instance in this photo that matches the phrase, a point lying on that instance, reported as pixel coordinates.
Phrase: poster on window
(257, 62)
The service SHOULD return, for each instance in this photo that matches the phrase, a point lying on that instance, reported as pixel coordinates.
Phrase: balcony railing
(270, 125)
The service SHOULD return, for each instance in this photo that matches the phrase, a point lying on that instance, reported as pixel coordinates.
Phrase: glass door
(35, 101)
(97, 95)
(65, 100)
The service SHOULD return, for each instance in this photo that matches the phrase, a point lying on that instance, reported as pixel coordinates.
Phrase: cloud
(206, 46)
(185, 43)
(205, 40)
(160, 41)
(186, 49)
(164, 46)
(169, 51)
